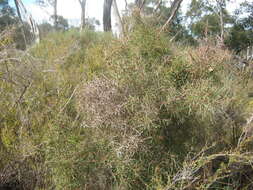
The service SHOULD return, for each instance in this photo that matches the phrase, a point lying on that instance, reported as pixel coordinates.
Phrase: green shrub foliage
(89, 111)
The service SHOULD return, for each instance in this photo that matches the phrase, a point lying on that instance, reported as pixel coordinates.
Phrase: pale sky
(70, 9)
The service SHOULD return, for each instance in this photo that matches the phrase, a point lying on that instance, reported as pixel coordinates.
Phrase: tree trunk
(158, 5)
(107, 15)
(174, 8)
(55, 15)
(126, 5)
(140, 3)
(119, 19)
(83, 9)
(18, 10)
(21, 21)
(222, 27)
(221, 3)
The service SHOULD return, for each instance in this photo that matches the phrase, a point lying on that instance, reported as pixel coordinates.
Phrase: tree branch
(174, 8)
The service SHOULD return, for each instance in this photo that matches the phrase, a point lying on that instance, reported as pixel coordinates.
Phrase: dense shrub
(88, 111)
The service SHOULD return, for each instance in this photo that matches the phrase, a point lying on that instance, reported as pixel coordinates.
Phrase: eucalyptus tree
(107, 20)
(118, 17)
(54, 4)
(173, 11)
(209, 18)
(143, 6)
(221, 6)
(140, 3)
(241, 33)
(7, 15)
(83, 11)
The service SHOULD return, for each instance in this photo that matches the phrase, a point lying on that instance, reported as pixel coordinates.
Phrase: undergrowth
(88, 111)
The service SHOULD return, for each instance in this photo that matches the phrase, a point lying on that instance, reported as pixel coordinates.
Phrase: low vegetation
(89, 111)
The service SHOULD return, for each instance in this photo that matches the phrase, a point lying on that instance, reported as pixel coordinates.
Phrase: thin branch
(115, 6)
(174, 8)
(70, 98)
(126, 5)
(158, 5)
(142, 5)
(22, 94)
(174, 37)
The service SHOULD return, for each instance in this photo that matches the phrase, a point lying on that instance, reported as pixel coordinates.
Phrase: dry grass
(103, 101)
